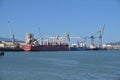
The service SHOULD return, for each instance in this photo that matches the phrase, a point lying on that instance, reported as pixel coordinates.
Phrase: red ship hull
(45, 48)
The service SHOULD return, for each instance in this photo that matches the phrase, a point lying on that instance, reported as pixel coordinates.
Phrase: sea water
(77, 65)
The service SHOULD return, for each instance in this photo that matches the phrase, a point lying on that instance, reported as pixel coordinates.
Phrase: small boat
(1, 53)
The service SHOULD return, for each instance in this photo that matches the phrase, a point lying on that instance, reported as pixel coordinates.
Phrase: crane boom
(100, 36)
(102, 30)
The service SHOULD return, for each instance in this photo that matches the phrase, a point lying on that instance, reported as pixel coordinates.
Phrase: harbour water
(78, 65)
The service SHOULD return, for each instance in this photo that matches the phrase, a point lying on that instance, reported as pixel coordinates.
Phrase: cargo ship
(33, 44)
(79, 46)
(46, 48)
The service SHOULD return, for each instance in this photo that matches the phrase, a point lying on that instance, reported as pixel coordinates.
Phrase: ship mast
(40, 37)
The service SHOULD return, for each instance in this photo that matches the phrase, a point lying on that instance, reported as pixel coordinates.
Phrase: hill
(114, 43)
(9, 39)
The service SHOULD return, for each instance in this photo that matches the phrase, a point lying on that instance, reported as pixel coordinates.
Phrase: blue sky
(79, 17)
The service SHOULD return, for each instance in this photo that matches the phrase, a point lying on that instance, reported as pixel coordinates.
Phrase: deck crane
(66, 37)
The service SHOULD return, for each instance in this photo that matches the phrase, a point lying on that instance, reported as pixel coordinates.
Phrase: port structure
(12, 36)
(101, 35)
(96, 36)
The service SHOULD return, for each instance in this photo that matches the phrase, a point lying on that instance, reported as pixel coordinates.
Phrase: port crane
(12, 36)
(98, 35)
